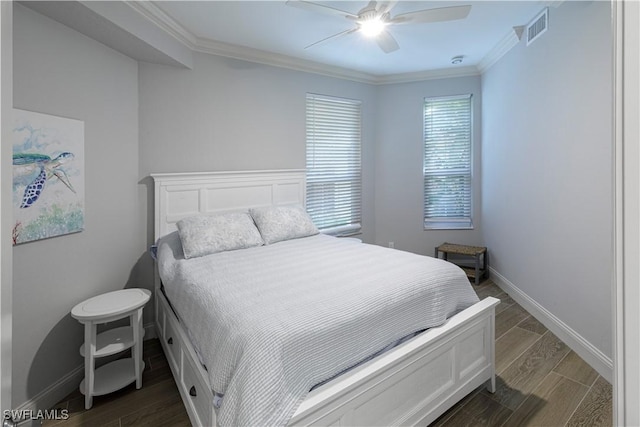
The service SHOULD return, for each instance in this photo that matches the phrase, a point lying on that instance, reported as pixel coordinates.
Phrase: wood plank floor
(540, 382)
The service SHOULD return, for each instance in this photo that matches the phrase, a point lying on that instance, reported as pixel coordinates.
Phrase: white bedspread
(270, 322)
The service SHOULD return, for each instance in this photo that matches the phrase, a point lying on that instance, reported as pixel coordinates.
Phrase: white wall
(547, 205)
(399, 155)
(60, 72)
(227, 114)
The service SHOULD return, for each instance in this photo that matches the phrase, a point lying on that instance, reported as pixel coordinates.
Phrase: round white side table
(107, 308)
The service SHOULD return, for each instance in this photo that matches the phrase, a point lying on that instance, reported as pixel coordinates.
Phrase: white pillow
(277, 223)
(208, 234)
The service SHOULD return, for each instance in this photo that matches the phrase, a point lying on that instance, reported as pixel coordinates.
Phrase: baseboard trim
(53, 394)
(57, 391)
(594, 357)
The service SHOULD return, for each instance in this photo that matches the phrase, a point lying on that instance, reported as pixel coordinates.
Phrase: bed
(412, 383)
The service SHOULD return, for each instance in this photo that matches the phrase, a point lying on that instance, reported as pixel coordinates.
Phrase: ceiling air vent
(538, 26)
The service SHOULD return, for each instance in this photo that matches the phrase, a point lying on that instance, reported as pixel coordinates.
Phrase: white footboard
(412, 384)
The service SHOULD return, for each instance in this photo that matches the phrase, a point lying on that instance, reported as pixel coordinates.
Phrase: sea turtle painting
(48, 176)
(27, 163)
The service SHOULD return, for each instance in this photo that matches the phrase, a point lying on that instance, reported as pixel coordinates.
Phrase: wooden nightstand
(475, 273)
(107, 308)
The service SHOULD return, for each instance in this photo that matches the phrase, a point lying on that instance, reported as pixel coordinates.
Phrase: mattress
(269, 322)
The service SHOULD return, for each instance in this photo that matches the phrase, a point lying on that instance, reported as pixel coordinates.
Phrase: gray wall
(227, 114)
(547, 188)
(60, 72)
(399, 204)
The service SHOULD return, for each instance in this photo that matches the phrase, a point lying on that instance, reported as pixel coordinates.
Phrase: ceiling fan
(373, 19)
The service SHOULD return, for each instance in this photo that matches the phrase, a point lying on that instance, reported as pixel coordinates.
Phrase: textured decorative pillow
(277, 223)
(208, 234)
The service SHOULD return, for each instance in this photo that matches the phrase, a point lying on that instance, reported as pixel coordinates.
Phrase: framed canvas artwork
(48, 176)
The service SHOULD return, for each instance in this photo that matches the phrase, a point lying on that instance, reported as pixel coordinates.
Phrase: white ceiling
(274, 27)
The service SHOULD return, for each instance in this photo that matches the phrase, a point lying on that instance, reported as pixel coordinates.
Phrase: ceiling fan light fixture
(372, 27)
(372, 20)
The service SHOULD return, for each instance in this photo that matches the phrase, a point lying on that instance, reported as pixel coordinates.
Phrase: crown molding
(443, 73)
(165, 22)
(244, 53)
(508, 42)
(556, 3)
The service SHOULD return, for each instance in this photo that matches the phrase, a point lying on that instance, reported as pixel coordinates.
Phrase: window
(447, 162)
(333, 164)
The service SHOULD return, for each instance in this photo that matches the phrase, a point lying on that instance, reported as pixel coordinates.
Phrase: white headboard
(178, 195)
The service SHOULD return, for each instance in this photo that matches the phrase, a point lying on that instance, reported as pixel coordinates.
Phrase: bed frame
(411, 384)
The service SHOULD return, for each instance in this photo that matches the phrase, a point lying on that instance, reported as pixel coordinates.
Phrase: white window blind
(447, 162)
(333, 163)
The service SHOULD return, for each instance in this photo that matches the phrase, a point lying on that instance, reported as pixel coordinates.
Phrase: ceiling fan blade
(386, 42)
(386, 6)
(370, 7)
(432, 15)
(317, 7)
(335, 36)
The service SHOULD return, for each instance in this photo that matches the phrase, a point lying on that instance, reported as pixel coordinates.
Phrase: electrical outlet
(392, 245)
